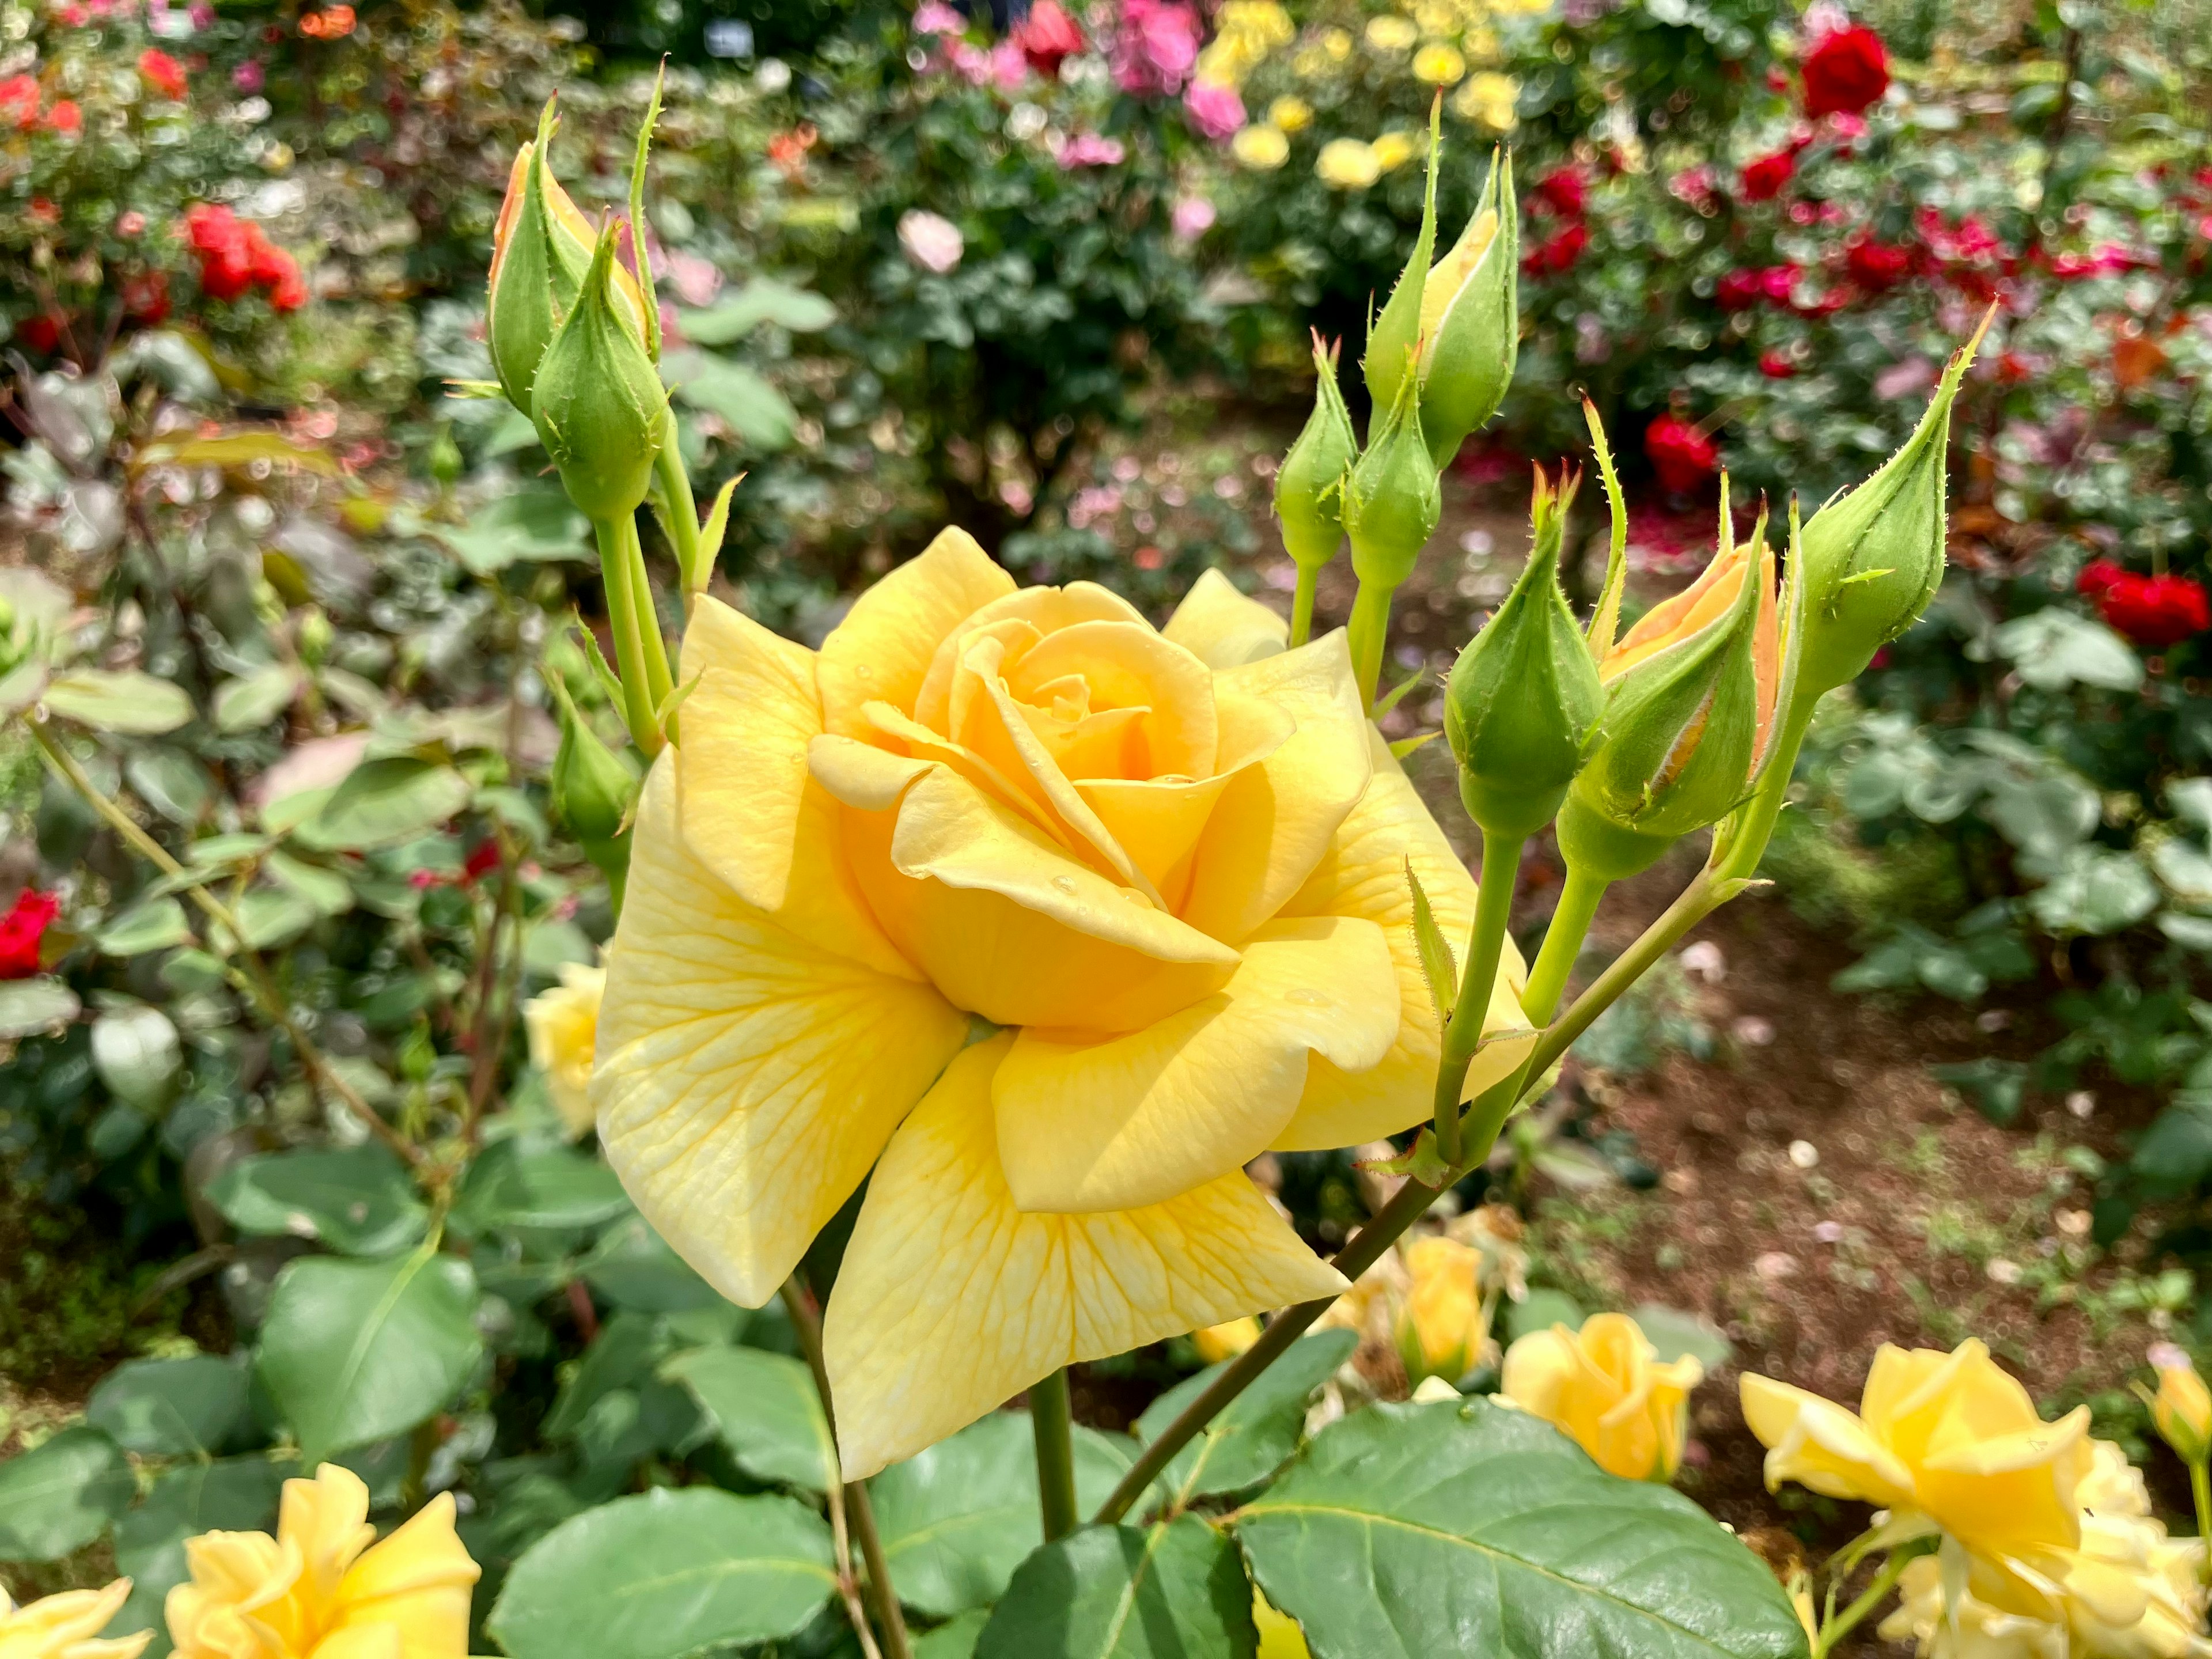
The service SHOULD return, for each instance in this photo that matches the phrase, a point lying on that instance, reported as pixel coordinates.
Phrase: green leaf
(767, 1410)
(328, 891)
(1260, 1429)
(156, 924)
(240, 705)
(385, 802)
(554, 1187)
(357, 1200)
(61, 1495)
(28, 1006)
(2054, 648)
(171, 781)
(171, 1407)
(954, 1639)
(536, 524)
(957, 1519)
(752, 407)
(666, 1574)
(354, 1352)
(269, 917)
(1994, 1085)
(1170, 1592)
(1438, 968)
(633, 1268)
(124, 700)
(238, 1494)
(760, 301)
(137, 1054)
(1538, 1311)
(1404, 1532)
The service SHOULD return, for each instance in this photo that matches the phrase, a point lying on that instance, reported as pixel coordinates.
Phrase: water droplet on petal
(1066, 883)
(1310, 999)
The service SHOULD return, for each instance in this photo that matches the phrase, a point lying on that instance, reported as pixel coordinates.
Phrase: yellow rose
(1263, 148)
(1163, 869)
(1289, 114)
(1279, 1635)
(563, 1023)
(1950, 1435)
(1389, 33)
(1489, 98)
(2182, 1407)
(1442, 1327)
(1336, 44)
(1393, 149)
(1261, 20)
(68, 1626)
(1435, 18)
(1226, 1340)
(1439, 65)
(324, 1587)
(1605, 1387)
(1348, 163)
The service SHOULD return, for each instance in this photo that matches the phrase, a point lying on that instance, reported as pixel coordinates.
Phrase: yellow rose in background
(562, 1023)
(1289, 114)
(1336, 45)
(1158, 872)
(1438, 64)
(324, 1587)
(68, 1626)
(1393, 149)
(1263, 148)
(1442, 1327)
(1348, 163)
(2182, 1407)
(1489, 98)
(1606, 1388)
(1225, 1341)
(1389, 33)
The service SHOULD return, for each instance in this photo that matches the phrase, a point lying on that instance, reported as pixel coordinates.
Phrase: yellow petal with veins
(749, 810)
(883, 649)
(1364, 874)
(1275, 821)
(942, 1266)
(746, 1078)
(1087, 1124)
(1222, 627)
(1820, 1446)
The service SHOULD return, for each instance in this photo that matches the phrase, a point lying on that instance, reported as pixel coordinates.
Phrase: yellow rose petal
(67, 1625)
(563, 1025)
(1348, 163)
(746, 1078)
(1086, 1125)
(942, 1268)
(1393, 149)
(1389, 33)
(1223, 628)
(884, 645)
(1290, 114)
(1438, 64)
(1260, 148)
(1820, 1446)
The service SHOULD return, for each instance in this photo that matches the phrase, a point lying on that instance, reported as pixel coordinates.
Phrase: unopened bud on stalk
(598, 403)
(1471, 319)
(1391, 500)
(1309, 486)
(1690, 703)
(1524, 698)
(591, 788)
(314, 636)
(1874, 556)
(2182, 1407)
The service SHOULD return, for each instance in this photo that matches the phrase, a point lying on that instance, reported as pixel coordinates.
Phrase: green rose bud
(1471, 320)
(1690, 706)
(1393, 337)
(592, 787)
(1523, 699)
(1309, 487)
(314, 636)
(1391, 505)
(599, 404)
(1874, 556)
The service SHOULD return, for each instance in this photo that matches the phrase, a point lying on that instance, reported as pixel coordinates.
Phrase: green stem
(1370, 631)
(1486, 945)
(1874, 1594)
(1301, 604)
(617, 537)
(2200, 1488)
(1563, 945)
(681, 518)
(1052, 1423)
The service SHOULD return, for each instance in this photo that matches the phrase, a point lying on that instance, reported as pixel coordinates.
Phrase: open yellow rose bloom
(1053, 919)
(563, 1025)
(68, 1626)
(1606, 1386)
(323, 1587)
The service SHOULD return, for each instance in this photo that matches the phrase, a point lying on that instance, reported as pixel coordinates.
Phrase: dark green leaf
(155, 925)
(353, 1352)
(356, 1198)
(767, 1410)
(535, 524)
(954, 1639)
(666, 1574)
(171, 1407)
(958, 1518)
(1169, 1592)
(552, 1188)
(61, 1495)
(1258, 1431)
(1406, 1532)
(31, 1006)
(385, 802)
(242, 704)
(752, 407)
(1994, 1085)
(2176, 1150)
(633, 1268)
(171, 781)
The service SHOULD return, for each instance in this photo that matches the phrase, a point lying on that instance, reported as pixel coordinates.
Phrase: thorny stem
(1302, 604)
(255, 973)
(1872, 1597)
(1486, 945)
(1051, 1420)
(852, 1501)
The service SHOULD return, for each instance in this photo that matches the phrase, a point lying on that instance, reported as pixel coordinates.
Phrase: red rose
(266, 262)
(19, 102)
(1683, 457)
(1563, 190)
(1845, 72)
(65, 116)
(41, 333)
(1778, 365)
(2097, 576)
(1877, 266)
(483, 860)
(1777, 282)
(1739, 290)
(22, 931)
(146, 298)
(2156, 612)
(163, 72)
(290, 292)
(1047, 36)
(1557, 253)
(1766, 178)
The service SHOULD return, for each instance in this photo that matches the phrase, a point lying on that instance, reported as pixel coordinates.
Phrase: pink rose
(935, 17)
(1155, 48)
(1215, 109)
(1191, 217)
(933, 243)
(1090, 149)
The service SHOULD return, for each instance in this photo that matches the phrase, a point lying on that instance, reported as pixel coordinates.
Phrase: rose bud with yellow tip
(597, 402)
(1310, 488)
(1471, 320)
(1523, 700)
(1391, 507)
(2182, 1407)
(1605, 1388)
(1442, 1327)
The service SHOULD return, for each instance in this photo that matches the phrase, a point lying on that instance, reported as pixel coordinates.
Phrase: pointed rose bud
(1874, 556)
(541, 249)
(1524, 697)
(2182, 1407)
(1393, 336)
(1309, 486)
(597, 402)
(1690, 705)
(1471, 319)
(591, 788)
(1391, 505)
